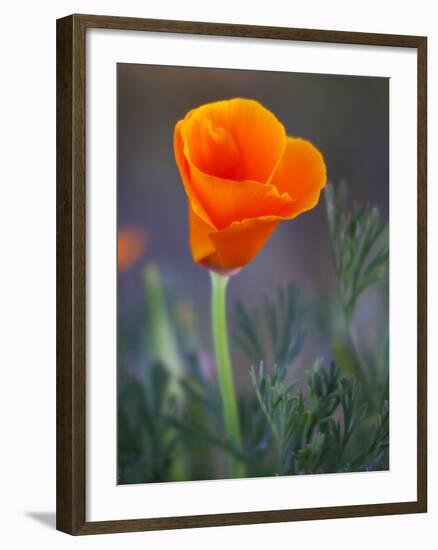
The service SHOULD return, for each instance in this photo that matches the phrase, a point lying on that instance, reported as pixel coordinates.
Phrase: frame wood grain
(71, 269)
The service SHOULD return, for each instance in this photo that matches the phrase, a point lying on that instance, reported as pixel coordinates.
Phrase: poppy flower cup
(243, 176)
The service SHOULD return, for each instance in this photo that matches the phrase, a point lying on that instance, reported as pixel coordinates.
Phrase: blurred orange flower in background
(242, 175)
(131, 245)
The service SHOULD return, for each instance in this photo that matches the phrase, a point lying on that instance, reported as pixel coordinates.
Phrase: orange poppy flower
(242, 175)
(131, 244)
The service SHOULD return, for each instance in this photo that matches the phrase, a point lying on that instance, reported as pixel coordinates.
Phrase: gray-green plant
(330, 416)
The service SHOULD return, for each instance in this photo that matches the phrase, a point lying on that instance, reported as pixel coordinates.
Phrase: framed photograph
(241, 274)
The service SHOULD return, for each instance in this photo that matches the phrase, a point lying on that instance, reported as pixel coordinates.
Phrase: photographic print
(252, 289)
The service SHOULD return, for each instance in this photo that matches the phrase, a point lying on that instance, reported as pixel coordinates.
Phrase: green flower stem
(163, 343)
(164, 350)
(224, 369)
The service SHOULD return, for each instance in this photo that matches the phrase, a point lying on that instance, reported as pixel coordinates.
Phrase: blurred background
(345, 117)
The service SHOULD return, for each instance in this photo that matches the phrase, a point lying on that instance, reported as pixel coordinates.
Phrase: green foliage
(201, 422)
(201, 425)
(312, 434)
(284, 412)
(360, 252)
(274, 323)
(332, 417)
(360, 246)
(374, 456)
(145, 442)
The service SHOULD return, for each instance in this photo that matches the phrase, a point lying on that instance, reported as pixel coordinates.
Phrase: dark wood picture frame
(71, 270)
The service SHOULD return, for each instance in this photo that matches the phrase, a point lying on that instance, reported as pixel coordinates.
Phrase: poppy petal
(200, 242)
(225, 201)
(245, 141)
(301, 174)
(131, 244)
(212, 149)
(239, 243)
(183, 167)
